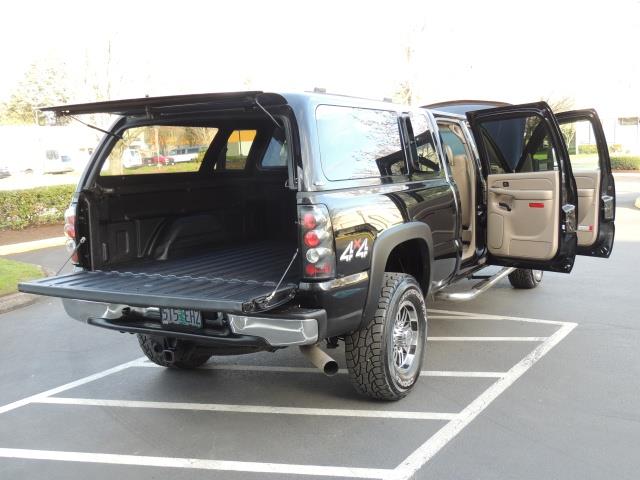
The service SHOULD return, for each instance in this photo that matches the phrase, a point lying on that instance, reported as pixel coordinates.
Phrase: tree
(404, 94)
(44, 84)
(568, 130)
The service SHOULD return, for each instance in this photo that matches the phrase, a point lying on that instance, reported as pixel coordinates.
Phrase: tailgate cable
(272, 294)
(75, 249)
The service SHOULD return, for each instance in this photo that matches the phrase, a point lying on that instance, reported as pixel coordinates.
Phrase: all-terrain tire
(372, 353)
(185, 355)
(525, 278)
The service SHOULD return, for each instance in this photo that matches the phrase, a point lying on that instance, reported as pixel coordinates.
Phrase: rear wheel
(525, 278)
(170, 352)
(385, 357)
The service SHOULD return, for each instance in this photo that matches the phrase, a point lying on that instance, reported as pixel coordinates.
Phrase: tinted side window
(428, 160)
(359, 143)
(518, 145)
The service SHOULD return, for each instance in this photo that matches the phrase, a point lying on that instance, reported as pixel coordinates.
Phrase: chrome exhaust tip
(320, 359)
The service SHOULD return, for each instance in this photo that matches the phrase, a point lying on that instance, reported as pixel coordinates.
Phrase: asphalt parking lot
(516, 384)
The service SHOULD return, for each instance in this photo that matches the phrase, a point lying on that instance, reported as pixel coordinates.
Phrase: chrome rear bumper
(292, 327)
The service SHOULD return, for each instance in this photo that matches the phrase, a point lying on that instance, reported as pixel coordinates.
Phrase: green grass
(175, 168)
(12, 272)
(148, 169)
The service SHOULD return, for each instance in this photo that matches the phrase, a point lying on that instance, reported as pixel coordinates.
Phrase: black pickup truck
(302, 218)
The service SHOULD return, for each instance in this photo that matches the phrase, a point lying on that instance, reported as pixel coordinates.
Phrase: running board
(476, 290)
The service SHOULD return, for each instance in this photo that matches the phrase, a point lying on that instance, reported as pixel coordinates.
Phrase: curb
(15, 301)
(29, 246)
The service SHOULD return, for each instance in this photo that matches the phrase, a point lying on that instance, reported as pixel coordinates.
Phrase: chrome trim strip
(337, 282)
(278, 332)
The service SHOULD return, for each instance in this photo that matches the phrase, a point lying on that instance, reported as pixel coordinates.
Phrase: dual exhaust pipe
(320, 359)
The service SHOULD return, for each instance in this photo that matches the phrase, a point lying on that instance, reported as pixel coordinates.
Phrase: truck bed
(230, 279)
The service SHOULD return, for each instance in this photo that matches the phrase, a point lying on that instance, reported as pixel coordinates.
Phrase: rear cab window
(236, 152)
(276, 155)
(358, 143)
(428, 160)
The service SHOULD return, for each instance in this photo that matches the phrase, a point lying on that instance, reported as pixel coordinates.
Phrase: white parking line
(454, 315)
(219, 407)
(486, 339)
(196, 463)
(68, 386)
(454, 373)
(404, 471)
(428, 449)
(342, 371)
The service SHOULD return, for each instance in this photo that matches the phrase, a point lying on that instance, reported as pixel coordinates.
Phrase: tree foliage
(43, 84)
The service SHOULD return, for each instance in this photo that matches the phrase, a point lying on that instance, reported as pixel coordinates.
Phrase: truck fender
(382, 248)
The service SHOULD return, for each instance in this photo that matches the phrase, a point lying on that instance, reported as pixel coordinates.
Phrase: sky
(509, 51)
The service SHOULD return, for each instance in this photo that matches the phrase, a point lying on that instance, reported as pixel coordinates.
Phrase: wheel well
(411, 257)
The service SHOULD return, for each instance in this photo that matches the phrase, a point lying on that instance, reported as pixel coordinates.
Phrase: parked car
(54, 162)
(185, 154)
(131, 158)
(158, 160)
(376, 209)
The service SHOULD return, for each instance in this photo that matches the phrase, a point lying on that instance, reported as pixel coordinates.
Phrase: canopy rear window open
(154, 106)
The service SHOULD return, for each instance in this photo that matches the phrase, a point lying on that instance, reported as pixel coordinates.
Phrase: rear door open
(591, 165)
(531, 202)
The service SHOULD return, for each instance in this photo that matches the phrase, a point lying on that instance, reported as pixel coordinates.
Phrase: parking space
(271, 414)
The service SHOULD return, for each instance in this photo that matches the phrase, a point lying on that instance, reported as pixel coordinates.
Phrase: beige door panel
(588, 183)
(523, 215)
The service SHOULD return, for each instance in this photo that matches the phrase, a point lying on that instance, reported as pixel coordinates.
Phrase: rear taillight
(70, 232)
(318, 255)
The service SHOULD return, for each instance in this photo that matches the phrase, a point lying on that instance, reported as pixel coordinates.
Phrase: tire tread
(363, 347)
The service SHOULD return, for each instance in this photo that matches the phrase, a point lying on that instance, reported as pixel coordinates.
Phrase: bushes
(588, 148)
(35, 206)
(625, 162)
(592, 148)
(615, 148)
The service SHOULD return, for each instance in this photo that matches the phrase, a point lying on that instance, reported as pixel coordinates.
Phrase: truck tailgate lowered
(233, 279)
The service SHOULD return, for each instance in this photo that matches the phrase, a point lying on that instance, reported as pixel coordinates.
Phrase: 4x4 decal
(358, 248)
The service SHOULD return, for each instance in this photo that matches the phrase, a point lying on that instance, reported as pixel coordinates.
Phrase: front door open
(531, 202)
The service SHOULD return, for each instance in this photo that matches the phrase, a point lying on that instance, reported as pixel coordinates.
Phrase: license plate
(181, 317)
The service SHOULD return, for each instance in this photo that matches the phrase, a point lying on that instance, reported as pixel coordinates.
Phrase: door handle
(506, 206)
(607, 203)
(571, 224)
